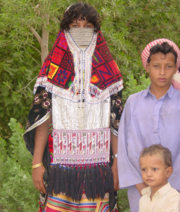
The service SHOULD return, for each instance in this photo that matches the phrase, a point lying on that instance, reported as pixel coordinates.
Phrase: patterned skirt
(65, 204)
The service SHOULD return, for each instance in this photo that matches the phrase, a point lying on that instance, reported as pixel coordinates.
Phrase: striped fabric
(64, 204)
(176, 80)
(146, 52)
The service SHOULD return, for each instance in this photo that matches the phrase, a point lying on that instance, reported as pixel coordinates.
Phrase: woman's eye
(155, 169)
(88, 26)
(169, 66)
(156, 66)
(74, 25)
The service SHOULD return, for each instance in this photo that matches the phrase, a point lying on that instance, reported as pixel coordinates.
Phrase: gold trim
(37, 165)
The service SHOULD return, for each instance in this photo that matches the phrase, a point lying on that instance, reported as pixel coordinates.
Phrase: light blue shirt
(146, 121)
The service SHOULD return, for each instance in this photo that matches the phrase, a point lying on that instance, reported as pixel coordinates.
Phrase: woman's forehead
(81, 18)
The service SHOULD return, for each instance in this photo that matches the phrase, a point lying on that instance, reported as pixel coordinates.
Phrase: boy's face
(161, 69)
(154, 172)
(81, 23)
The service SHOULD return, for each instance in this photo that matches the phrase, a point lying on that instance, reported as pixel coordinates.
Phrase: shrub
(17, 190)
(132, 86)
(122, 202)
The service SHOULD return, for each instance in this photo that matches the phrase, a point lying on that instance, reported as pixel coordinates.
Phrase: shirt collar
(161, 192)
(146, 191)
(147, 91)
(170, 91)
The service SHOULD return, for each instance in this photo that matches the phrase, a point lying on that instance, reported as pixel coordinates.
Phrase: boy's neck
(158, 92)
(155, 189)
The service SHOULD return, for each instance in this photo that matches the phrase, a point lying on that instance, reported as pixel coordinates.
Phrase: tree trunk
(44, 41)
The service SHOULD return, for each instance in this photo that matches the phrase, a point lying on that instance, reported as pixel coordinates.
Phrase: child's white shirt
(166, 199)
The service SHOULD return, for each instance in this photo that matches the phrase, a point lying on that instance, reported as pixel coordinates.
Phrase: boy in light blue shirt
(151, 117)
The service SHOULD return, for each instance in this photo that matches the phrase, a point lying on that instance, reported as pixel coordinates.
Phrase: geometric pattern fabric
(59, 66)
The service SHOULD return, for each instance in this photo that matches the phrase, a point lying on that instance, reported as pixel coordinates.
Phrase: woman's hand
(37, 176)
(140, 186)
(41, 138)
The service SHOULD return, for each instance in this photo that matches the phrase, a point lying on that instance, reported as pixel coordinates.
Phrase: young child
(151, 117)
(156, 168)
(78, 88)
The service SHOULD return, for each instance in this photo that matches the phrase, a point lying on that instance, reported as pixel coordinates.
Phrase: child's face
(161, 69)
(154, 172)
(81, 23)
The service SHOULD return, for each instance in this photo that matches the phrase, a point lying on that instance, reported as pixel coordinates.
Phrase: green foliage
(122, 202)
(17, 191)
(132, 86)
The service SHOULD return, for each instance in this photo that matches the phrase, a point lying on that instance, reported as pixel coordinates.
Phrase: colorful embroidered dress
(80, 88)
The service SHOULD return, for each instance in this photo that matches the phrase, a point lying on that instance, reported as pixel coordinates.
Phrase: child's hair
(83, 11)
(158, 149)
(164, 48)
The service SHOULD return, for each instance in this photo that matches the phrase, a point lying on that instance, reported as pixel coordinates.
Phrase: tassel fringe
(95, 180)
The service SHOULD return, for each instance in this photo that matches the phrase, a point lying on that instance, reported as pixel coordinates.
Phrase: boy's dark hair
(158, 149)
(83, 11)
(164, 48)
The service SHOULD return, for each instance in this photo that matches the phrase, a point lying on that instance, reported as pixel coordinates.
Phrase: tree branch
(32, 57)
(44, 39)
(36, 34)
(34, 48)
(145, 30)
(26, 85)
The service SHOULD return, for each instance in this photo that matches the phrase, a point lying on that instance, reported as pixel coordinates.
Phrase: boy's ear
(169, 171)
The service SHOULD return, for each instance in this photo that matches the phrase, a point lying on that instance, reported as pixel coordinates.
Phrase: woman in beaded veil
(74, 118)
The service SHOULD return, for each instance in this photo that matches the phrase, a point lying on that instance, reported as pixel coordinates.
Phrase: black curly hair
(164, 48)
(83, 11)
